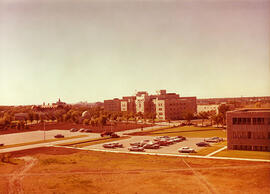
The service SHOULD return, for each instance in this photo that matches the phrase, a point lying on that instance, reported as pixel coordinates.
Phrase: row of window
(249, 147)
(249, 121)
(250, 135)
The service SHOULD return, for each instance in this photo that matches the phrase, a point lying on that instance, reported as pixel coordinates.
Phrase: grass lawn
(207, 150)
(244, 154)
(191, 131)
(41, 141)
(85, 143)
(99, 172)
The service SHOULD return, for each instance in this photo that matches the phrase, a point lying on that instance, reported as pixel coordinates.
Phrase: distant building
(164, 105)
(172, 106)
(48, 107)
(128, 104)
(21, 116)
(248, 129)
(112, 105)
(208, 108)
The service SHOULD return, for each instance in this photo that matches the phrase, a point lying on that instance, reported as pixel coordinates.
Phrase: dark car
(163, 143)
(1, 144)
(106, 133)
(87, 130)
(203, 144)
(114, 135)
(151, 146)
(59, 136)
(181, 137)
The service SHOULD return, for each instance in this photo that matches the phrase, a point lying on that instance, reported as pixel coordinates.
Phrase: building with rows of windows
(164, 105)
(249, 129)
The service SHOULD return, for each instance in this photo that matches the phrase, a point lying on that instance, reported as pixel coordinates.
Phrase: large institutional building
(249, 129)
(164, 105)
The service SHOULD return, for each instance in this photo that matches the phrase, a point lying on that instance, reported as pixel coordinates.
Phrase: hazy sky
(96, 49)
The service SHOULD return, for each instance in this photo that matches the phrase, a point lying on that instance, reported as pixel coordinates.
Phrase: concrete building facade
(248, 129)
(208, 108)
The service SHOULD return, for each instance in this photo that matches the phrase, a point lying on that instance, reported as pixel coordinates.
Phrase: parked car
(1, 144)
(136, 148)
(109, 145)
(114, 135)
(213, 139)
(151, 146)
(137, 144)
(87, 130)
(163, 143)
(106, 133)
(203, 144)
(74, 130)
(186, 150)
(82, 130)
(181, 137)
(176, 139)
(118, 145)
(59, 136)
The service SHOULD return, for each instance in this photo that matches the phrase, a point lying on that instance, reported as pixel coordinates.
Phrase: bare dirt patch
(99, 172)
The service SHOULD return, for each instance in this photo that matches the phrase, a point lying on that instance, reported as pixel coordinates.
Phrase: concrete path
(219, 150)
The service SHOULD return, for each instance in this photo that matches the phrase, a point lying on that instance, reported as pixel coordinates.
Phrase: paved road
(24, 137)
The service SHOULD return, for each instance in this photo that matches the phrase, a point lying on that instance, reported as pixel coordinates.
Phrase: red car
(109, 145)
(151, 146)
(135, 148)
(59, 136)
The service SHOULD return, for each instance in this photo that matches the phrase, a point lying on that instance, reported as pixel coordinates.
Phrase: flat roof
(252, 110)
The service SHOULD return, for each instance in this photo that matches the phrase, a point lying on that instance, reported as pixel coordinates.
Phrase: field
(244, 154)
(187, 131)
(59, 170)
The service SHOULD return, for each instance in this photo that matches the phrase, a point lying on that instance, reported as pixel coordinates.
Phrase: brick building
(128, 104)
(172, 106)
(164, 105)
(112, 105)
(249, 129)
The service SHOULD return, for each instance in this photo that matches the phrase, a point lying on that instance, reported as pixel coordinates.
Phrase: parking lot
(170, 149)
(17, 138)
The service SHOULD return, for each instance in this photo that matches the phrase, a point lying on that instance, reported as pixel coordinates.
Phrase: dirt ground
(64, 126)
(60, 170)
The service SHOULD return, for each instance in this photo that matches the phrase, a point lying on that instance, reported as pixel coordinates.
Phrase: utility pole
(44, 130)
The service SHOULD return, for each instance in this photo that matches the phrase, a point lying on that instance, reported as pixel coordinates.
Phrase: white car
(186, 150)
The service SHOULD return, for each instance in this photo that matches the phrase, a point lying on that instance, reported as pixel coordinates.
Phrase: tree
(189, 116)
(203, 115)
(222, 109)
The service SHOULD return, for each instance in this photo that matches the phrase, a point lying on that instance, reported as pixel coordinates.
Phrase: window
(249, 135)
(248, 121)
(254, 121)
(268, 135)
(234, 121)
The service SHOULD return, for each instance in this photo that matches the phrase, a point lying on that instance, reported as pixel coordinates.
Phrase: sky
(92, 50)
